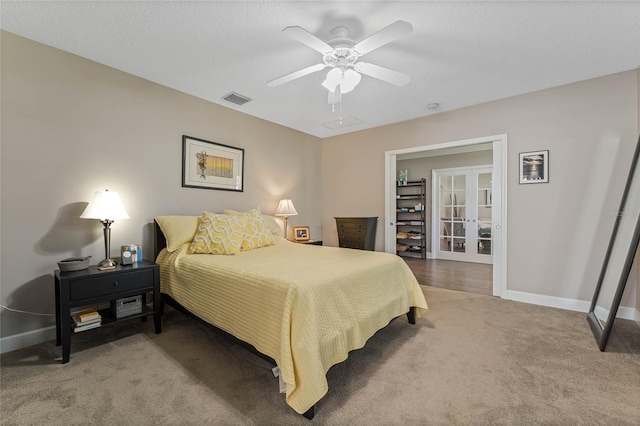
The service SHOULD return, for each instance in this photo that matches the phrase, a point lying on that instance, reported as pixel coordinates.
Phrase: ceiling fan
(341, 55)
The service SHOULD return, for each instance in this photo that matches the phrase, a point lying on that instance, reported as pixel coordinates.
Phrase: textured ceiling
(459, 53)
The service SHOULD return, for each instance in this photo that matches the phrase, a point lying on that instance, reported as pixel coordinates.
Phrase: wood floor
(461, 276)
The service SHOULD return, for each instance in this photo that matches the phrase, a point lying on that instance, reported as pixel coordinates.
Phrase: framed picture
(301, 233)
(534, 167)
(211, 165)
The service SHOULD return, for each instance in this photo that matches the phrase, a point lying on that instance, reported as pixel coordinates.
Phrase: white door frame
(499, 226)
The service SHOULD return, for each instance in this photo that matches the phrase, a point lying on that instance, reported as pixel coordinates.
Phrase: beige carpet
(473, 360)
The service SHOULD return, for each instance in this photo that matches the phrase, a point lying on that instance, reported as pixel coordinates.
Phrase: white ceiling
(459, 53)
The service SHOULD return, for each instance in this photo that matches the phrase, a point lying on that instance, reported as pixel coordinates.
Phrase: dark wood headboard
(159, 238)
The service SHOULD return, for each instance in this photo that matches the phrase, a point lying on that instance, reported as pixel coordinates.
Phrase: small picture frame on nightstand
(301, 233)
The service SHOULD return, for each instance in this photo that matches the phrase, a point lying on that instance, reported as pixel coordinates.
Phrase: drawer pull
(115, 283)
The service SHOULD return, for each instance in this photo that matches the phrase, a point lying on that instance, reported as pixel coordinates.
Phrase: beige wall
(557, 232)
(71, 126)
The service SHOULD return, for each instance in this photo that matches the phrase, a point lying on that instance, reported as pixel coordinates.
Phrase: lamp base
(107, 264)
(286, 237)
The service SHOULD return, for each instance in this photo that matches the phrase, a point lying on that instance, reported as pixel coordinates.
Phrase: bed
(303, 306)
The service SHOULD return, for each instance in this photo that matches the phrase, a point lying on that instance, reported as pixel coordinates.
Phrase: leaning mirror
(618, 259)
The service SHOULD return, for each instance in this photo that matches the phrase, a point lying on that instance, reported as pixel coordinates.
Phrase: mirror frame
(599, 332)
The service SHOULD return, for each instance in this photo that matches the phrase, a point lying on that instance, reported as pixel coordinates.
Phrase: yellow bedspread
(305, 306)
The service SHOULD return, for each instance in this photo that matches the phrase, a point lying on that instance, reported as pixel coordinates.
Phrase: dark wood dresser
(357, 232)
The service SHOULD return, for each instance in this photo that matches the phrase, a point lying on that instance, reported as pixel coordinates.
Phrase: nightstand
(311, 242)
(91, 286)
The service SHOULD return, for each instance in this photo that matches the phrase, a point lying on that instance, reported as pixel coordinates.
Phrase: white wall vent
(236, 98)
(346, 122)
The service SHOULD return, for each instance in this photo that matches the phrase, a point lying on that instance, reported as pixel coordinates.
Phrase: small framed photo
(534, 167)
(301, 233)
(211, 165)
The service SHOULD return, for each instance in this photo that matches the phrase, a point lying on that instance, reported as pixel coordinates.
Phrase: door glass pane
(458, 229)
(445, 198)
(484, 237)
(484, 189)
(445, 235)
(446, 183)
(447, 211)
(484, 180)
(484, 213)
(459, 182)
(459, 245)
(459, 213)
(459, 196)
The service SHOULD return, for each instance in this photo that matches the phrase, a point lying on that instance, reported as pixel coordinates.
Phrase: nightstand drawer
(352, 226)
(87, 288)
(352, 233)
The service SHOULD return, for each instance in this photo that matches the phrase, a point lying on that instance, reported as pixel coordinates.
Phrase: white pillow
(272, 225)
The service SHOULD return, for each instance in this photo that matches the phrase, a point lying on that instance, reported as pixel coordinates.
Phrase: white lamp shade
(105, 205)
(349, 81)
(334, 77)
(286, 208)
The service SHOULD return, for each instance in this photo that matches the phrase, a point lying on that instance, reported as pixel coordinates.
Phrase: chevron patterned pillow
(219, 234)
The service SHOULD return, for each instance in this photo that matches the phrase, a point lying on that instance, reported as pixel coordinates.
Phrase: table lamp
(286, 209)
(106, 207)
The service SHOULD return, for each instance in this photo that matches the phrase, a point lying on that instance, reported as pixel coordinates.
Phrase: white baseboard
(564, 303)
(28, 338)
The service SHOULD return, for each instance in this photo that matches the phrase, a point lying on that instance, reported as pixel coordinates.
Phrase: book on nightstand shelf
(86, 320)
(78, 329)
(87, 315)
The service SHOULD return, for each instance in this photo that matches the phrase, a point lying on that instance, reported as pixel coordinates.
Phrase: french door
(462, 214)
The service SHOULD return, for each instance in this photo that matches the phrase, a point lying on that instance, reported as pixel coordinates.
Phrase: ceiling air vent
(346, 122)
(236, 98)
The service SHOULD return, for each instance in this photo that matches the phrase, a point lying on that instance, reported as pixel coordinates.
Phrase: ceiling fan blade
(296, 74)
(382, 37)
(304, 36)
(382, 73)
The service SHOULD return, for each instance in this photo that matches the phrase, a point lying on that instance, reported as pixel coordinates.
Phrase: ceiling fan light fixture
(341, 55)
(334, 78)
(350, 80)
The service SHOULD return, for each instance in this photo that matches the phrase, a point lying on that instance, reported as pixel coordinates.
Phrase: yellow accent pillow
(256, 233)
(219, 234)
(178, 230)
